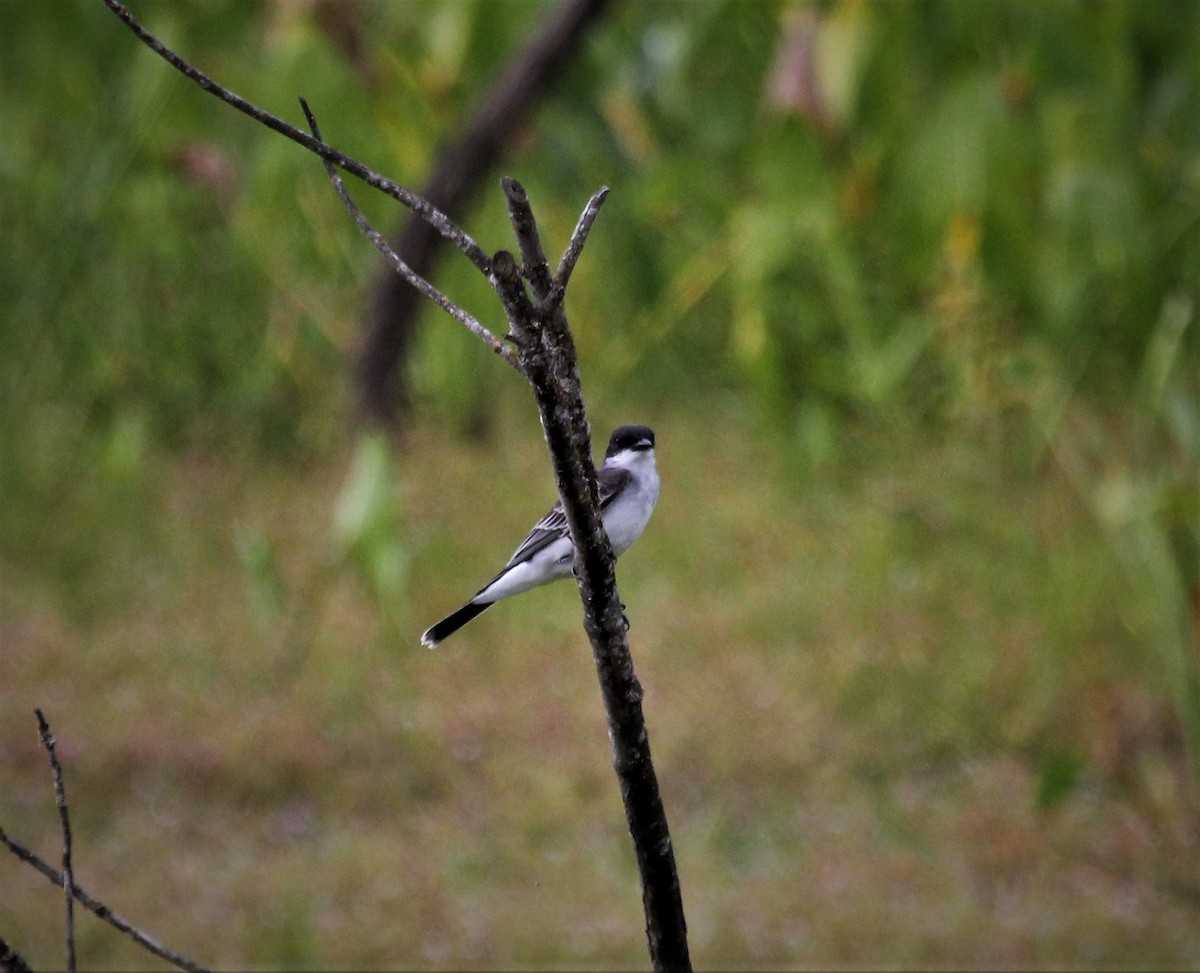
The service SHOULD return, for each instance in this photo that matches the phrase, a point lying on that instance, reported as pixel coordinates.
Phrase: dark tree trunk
(462, 168)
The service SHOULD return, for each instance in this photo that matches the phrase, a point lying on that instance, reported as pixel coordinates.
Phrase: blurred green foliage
(366, 523)
(936, 261)
(839, 206)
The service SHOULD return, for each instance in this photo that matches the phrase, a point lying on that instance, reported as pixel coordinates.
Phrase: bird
(628, 482)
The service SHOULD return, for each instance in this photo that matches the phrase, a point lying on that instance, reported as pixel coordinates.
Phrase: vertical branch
(533, 255)
(60, 798)
(549, 361)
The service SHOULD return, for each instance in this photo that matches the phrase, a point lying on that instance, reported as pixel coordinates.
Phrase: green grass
(896, 710)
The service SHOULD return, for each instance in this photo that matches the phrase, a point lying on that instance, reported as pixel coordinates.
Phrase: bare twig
(100, 910)
(421, 207)
(570, 256)
(533, 255)
(60, 798)
(463, 317)
(506, 279)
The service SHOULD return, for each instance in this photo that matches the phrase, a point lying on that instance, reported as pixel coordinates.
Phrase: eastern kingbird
(628, 483)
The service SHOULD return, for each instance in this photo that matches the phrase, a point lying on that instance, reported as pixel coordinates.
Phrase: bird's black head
(637, 438)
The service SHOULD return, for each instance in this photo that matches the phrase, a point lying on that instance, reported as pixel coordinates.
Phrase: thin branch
(506, 281)
(460, 315)
(533, 255)
(60, 798)
(437, 219)
(100, 910)
(570, 256)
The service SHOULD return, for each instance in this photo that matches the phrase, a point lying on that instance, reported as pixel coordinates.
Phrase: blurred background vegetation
(908, 291)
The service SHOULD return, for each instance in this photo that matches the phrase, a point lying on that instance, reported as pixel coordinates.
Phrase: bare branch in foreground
(463, 317)
(533, 255)
(579, 236)
(100, 910)
(549, 361)
(60, 798)
(433, 216)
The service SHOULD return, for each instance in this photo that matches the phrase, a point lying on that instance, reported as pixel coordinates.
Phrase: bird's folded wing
(611, 480)
(554, 525)
(545, 532)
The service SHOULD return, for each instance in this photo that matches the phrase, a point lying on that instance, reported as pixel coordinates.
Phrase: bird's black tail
(452, 623)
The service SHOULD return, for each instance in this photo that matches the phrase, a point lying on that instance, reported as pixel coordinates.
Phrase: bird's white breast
(628, 515)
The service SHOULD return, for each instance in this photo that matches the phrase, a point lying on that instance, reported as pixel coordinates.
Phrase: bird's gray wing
(612, 480)
(545, 532)
(553, 526)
